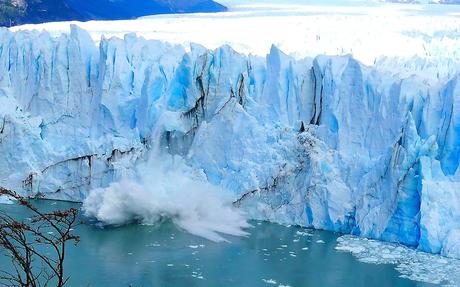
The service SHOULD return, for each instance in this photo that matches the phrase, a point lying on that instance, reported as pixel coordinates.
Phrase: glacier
(323, 142)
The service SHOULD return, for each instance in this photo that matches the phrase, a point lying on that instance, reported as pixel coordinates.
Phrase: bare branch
(25, 241)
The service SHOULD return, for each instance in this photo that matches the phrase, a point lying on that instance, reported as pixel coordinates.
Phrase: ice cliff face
(325, 142)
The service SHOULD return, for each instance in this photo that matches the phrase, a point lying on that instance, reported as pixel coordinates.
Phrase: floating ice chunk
(153, 245)
(5, 200)
(412, 264)
(269, 281)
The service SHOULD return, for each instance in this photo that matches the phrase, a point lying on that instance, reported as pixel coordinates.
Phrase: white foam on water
(168, 189)
(410, 263)
(269, 281)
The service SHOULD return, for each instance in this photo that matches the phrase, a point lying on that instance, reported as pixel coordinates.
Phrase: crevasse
(326, 142)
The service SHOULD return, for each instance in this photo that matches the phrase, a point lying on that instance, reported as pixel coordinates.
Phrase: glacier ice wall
(325, 142)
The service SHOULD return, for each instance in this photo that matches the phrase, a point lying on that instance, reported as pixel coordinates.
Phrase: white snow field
(349, 122)
(368, 31)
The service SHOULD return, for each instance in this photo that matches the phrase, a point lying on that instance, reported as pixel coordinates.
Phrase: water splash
(166, 188)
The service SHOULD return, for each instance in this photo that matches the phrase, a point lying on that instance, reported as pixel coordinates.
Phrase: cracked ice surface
(411, 263)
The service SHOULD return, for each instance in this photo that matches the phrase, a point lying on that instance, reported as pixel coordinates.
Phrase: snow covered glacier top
(368, 31)
(322, 141)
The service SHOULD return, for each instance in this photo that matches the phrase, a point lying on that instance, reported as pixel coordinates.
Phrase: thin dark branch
(25, 241)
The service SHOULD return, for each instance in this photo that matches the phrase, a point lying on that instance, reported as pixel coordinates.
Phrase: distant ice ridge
(306, 28)
(324, 142)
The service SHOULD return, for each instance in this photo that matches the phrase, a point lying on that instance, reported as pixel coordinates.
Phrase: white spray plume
(168, 188)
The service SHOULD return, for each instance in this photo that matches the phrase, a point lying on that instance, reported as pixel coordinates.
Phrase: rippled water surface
(272, 255)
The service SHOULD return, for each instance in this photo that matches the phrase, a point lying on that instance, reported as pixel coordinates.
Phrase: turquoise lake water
(164, 256)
